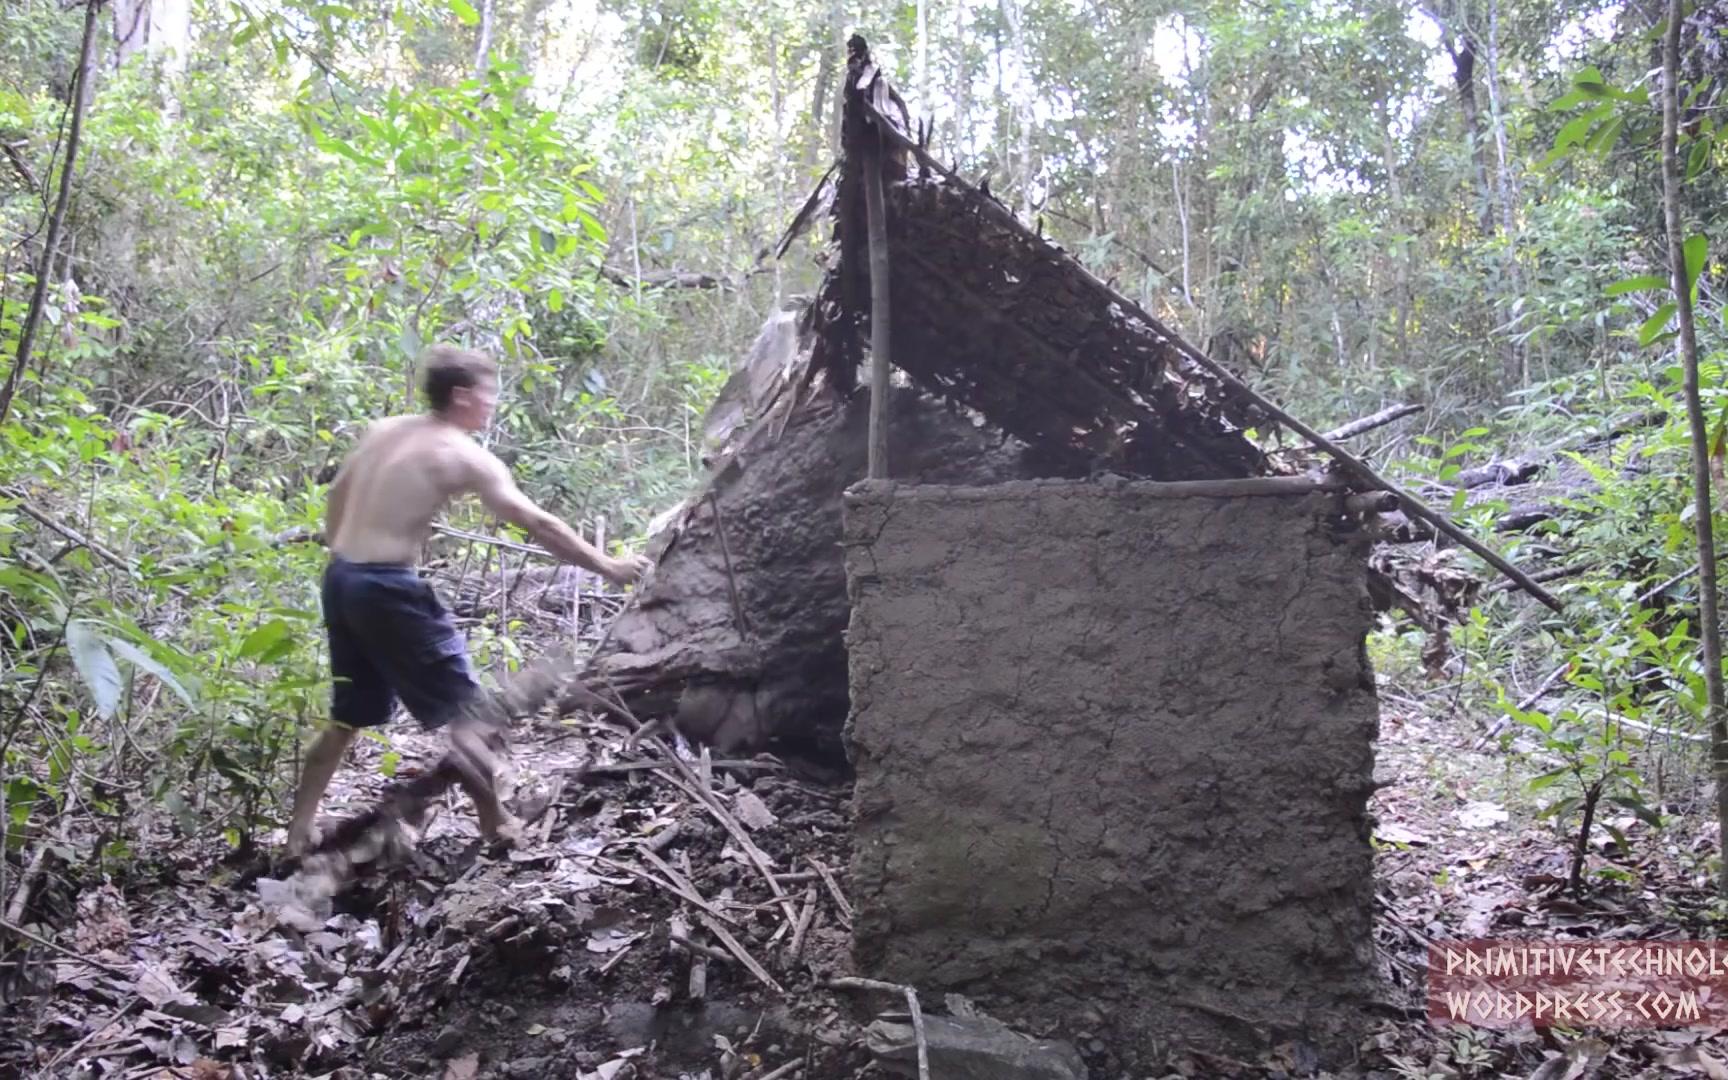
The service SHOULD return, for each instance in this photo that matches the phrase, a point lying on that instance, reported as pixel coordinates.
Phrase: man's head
(461, 386)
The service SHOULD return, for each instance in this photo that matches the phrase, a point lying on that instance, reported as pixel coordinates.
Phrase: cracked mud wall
(1113, 754)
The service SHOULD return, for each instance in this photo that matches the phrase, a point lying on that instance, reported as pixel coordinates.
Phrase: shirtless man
(390, 638)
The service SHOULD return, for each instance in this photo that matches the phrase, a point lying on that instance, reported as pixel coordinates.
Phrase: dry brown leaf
(1391, 832)
(752, 811)
(1559, 1067)
(103, 922)
(1697, 1059)
(156, 985)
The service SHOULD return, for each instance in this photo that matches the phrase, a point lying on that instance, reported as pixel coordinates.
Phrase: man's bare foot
(506, 835)
(303, 839)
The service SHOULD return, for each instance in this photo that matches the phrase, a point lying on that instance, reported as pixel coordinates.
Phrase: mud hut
(1095, 654)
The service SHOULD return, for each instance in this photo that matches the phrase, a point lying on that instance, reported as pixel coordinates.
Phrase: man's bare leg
(473, 747)
(321, 763)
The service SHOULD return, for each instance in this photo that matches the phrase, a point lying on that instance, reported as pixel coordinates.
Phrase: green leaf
(1547, 780)
(1578, 128)
(1642, 812)
(1636, 284)
(95, 666)
(146, 662)
(555, 300)
(1696, 248)
(1655, 324)
(263, 638)
(1602, 140)
(465, 11)
(1697, 158)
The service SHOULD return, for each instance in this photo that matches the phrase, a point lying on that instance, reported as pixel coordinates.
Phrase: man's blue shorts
(391, 639)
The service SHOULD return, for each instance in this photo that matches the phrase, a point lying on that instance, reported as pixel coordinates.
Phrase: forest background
(275, 204)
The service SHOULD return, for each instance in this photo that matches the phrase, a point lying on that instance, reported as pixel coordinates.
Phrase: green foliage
(262, 255)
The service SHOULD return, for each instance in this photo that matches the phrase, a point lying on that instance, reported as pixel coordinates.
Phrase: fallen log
(1522, 518)
(1365, 424)
(1504, 473)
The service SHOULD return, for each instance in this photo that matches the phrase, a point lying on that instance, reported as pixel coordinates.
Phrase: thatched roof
(988, 314)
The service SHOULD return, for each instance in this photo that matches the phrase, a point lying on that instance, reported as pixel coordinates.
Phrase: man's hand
(628, 570)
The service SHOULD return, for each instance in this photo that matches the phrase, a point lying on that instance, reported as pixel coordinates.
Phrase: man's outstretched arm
(498, 491)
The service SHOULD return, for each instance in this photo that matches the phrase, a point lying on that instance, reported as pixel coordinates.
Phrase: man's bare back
(393, 485)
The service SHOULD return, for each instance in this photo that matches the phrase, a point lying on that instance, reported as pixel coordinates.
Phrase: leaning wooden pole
(875, 205)
(1360, 469)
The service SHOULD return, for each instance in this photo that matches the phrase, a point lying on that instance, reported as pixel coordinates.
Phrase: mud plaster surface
(765, 664)
(1113, 754)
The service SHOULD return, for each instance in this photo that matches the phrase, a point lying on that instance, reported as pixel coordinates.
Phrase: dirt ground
(558, 960)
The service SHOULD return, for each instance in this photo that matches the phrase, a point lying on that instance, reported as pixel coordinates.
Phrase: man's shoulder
(382, 426)
(472, 462)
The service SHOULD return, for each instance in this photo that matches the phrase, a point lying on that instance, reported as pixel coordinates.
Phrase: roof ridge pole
(1355, 465)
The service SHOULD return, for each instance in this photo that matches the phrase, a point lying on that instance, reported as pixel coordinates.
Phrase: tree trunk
(923, 62)
(1517, 360)
(483, 46)
(1463, 50)
(836, 27)
(529, 29)
(962, 84)
(817, 135)
(1710, 625)
(131, 29)
(56, 221)
(1401, 256)
(1020, 105)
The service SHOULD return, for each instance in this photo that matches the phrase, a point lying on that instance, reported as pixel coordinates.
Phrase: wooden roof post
(876, 208)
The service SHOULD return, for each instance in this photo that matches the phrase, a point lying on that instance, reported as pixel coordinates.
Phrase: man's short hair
(446, 369)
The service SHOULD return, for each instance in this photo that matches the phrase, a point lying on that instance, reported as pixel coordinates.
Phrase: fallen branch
(27, 885)
(113, 1018)
(834, 891)
(696, 948)
(494, 541)
(852, 982)
(1523, 703)
(737, 950)
(672, 279)
(805, 918)
(70, 954)
(694, 789)
(68, 533)
(689, 896)
(1553, 573)
(1365, 424)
